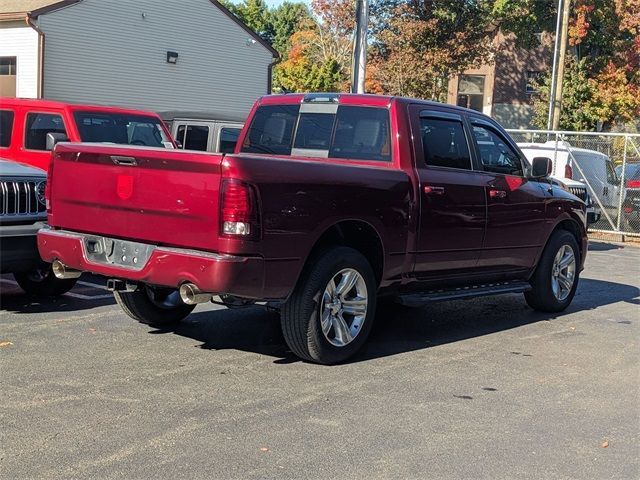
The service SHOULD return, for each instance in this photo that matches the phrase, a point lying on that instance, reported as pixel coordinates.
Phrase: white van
(587, 166)
(206, 132)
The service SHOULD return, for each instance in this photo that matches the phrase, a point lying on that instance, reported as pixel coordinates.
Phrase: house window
(8, 76)
(533, 78)
(471, 91)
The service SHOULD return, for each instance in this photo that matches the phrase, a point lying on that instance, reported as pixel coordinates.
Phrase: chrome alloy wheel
(563, 272)
(344, 307)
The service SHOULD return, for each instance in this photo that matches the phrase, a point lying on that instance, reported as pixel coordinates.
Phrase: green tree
(285, 21)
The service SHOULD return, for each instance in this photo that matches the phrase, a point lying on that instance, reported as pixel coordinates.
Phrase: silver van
(205, 132)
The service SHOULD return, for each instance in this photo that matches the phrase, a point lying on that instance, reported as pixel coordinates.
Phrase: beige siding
(113, 52)
(22, 43)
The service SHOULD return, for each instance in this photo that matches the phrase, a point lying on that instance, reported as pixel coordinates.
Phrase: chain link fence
(607, 164)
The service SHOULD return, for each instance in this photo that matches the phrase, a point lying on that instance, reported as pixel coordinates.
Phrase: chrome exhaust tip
(61, 271)
(191, 295)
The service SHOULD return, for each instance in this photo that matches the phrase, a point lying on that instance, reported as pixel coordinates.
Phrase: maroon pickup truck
(328, 202)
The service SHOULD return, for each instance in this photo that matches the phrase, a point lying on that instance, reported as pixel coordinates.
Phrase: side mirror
(542, 167)
(53, 138)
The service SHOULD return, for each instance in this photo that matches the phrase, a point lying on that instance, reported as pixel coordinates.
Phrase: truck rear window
(350, 132)
(105, 127)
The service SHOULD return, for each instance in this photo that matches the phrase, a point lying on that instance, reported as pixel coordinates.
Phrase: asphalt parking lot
(483, 388)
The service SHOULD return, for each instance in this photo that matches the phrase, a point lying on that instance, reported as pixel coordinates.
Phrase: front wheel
(330, 313)
(556, 278)
(43, 282)
(155, 306)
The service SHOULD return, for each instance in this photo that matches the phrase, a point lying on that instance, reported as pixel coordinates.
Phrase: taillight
(568, 171)
(238, 209)
(633, 184)
(49, 186)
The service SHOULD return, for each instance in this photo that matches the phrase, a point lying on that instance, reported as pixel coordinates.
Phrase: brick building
(503, 89)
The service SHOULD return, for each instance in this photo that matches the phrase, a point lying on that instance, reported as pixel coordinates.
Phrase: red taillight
(568, 171)
(237, 208)
(48, 185)
(633, 184)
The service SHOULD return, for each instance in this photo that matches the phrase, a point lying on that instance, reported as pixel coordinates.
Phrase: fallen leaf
(264, 449)
(605, 444)
(6, 344)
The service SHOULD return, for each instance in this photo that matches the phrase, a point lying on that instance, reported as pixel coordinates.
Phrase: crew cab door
(452, 195)
(516, 213)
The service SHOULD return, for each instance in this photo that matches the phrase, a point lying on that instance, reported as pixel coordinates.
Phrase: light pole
(557, 75)
(359, 60)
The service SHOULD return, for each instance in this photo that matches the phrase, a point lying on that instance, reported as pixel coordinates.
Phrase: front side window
(444, 143)
(193, 137)
(495, 154)
(612, 178)
(37, 127)
(228, 139)
(120, 128)
(6, 127)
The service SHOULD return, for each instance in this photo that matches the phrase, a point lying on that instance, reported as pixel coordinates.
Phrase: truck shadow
(397, 329)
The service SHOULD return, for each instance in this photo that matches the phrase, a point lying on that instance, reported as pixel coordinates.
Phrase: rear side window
(37, 127)
(495, 154)
(6, 127)
(228, 139)
(271, 130)
(349, 132)
(193, 137)
(444, 143)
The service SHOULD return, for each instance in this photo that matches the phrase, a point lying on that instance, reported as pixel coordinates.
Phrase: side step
(496, 288)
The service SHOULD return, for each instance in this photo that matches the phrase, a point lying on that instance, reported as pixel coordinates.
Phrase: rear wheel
(43, 282)
(330, 313)
(556, 278)
(155, 306)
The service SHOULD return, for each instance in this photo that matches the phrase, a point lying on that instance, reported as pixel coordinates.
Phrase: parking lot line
(71, 294)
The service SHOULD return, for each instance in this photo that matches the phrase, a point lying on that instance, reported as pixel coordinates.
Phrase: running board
(483, 290)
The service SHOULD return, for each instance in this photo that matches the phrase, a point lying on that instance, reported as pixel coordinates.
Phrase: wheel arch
(357, 234)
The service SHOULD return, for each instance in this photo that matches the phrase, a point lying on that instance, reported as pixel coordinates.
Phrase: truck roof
(365, 99)
(52, 104)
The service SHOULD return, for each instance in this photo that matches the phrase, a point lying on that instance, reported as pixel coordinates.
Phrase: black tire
(541, 296)
(154, 306)
(300, 315)
(43, 282)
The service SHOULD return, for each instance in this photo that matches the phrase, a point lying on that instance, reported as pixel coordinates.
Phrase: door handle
(497, 193)
(430, 190)
(124, 161)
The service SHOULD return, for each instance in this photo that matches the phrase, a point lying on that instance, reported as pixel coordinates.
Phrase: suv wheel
(330, 313)
(155, 306)
(43, 282)
(556, 278)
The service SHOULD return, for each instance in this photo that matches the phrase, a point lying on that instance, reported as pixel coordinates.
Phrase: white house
(161, 55)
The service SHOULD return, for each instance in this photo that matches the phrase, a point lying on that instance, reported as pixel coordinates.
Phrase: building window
(533, 79)
(8, 76)
(471, 91)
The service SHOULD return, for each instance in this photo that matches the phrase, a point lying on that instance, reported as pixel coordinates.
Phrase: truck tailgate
(166, 197)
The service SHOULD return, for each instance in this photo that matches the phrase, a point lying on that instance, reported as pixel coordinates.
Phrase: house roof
(19, 9)
(23, 6)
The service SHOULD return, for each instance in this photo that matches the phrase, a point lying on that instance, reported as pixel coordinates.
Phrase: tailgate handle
(124, 161)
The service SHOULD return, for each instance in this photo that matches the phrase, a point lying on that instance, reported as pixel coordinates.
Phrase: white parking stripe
(71, 294)
(94, 285)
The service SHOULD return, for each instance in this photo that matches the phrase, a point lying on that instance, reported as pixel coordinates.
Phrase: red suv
(30, 128)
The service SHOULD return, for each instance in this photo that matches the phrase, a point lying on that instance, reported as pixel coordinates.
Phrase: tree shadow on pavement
(397, 329)
(603, 247)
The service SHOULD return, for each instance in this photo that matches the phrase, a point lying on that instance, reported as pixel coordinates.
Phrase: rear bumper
(171, 267)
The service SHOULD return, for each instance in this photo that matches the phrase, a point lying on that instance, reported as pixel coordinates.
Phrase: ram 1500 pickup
(328, 202)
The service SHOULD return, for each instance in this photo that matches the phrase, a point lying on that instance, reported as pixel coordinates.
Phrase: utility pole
(359, 60)
(554, 68)
(557, 108)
